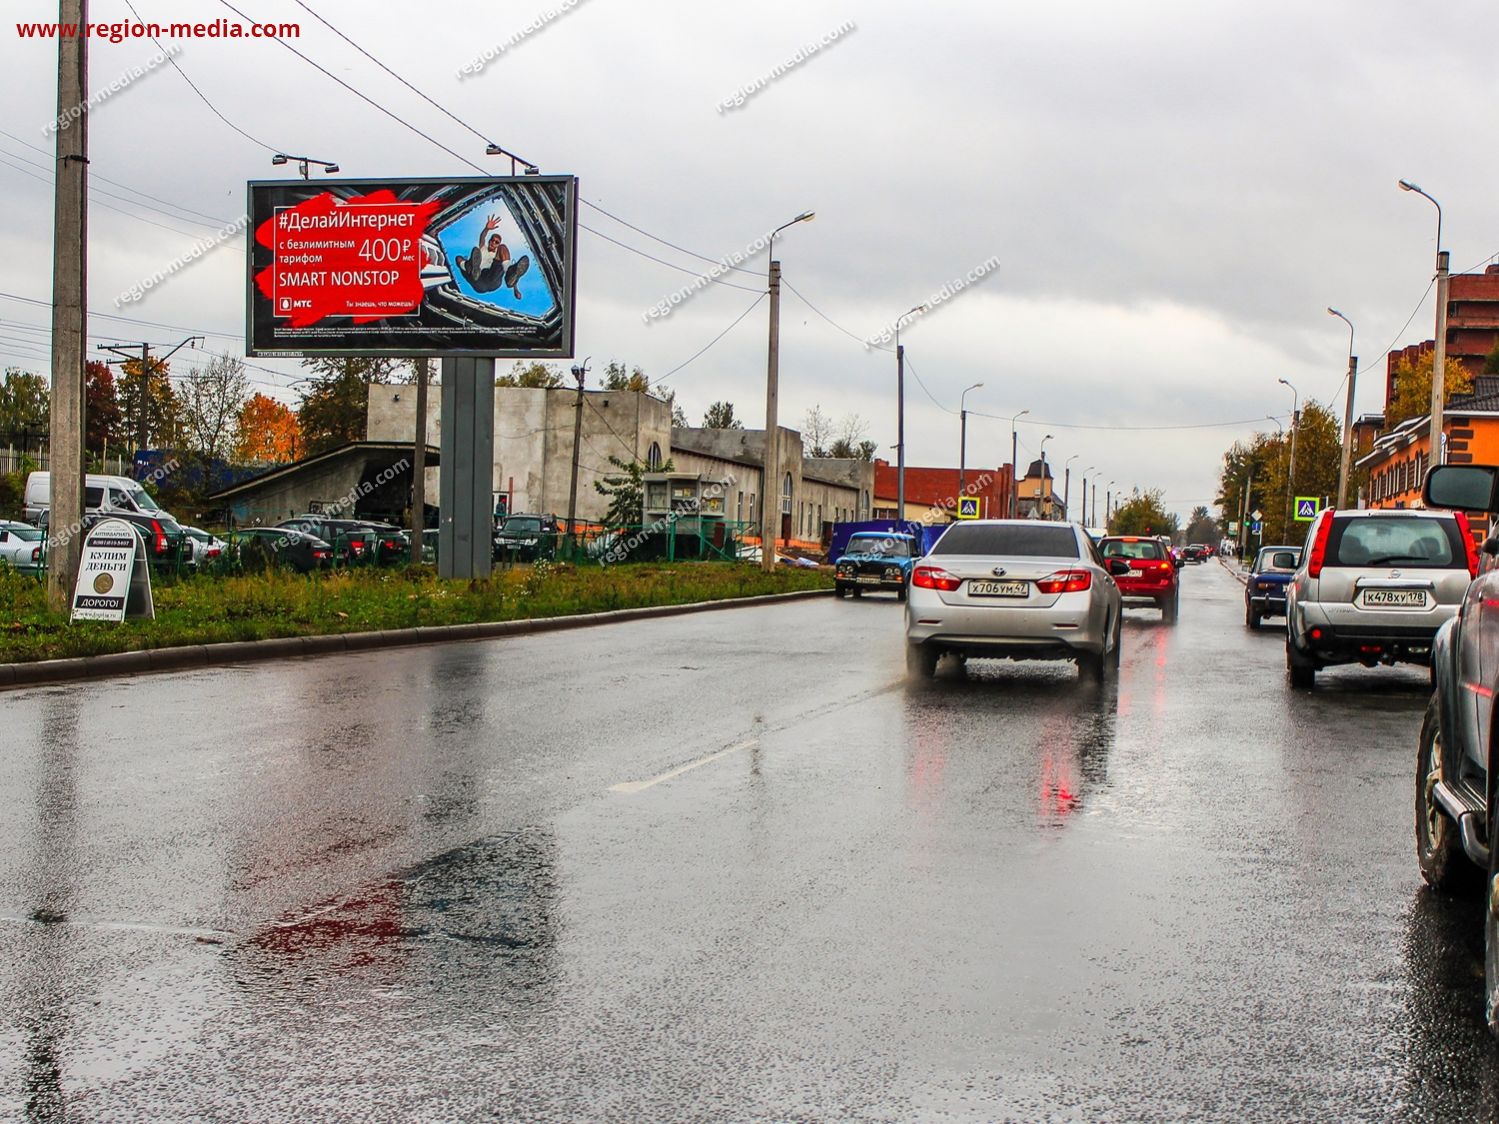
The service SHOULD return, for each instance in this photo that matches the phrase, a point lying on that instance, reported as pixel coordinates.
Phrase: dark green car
(526, 538)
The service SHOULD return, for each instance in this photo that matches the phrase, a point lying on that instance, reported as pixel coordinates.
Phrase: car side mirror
(1118, 567)
(1460, 487)
(1490, 546)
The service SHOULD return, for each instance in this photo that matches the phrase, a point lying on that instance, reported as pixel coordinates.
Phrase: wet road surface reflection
(734, 866)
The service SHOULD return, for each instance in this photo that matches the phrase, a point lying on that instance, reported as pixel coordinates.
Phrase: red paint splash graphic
(359, 257)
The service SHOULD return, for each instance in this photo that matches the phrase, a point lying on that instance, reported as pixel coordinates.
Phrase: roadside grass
(206, 610)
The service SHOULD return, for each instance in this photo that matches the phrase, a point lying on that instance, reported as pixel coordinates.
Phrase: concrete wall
(295, 495)
(533, 445)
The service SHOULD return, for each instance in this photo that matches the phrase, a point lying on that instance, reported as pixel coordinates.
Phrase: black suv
(1457, 817)
(525, 538)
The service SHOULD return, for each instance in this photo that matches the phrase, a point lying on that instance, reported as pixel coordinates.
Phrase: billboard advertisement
(412, 267)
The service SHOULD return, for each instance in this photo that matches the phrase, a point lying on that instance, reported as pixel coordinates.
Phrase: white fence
(13, 460)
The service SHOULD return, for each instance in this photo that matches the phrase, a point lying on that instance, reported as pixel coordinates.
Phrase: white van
(100, 493)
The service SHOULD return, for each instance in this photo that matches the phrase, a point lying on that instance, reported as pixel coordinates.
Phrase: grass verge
(262, 606)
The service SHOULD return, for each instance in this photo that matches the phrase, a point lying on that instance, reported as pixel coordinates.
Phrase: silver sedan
(1015, 589)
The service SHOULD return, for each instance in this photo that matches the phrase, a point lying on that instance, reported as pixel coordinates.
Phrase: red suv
(1152, 572)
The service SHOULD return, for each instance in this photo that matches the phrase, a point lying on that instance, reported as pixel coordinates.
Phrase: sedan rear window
(1376, 541)
(1139, 548)
(1009, 540)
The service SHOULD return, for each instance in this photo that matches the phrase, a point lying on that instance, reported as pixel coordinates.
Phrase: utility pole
(579, 371)
(69, 310)
(770, 485)
(143, 398)
(1439, 362)
(1347, 466)
(419, 463)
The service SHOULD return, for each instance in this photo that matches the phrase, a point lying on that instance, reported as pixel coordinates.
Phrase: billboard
(436, 267)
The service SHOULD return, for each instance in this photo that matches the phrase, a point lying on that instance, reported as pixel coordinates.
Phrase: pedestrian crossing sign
(1307, 508)
(968, 507)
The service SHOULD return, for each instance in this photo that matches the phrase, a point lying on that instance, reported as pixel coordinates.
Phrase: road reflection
(1452, 1062)
(1058, 731)
(477, 921)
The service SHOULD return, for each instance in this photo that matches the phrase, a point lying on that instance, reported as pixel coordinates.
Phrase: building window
(653, 457)
(786, 495)
(739, 508)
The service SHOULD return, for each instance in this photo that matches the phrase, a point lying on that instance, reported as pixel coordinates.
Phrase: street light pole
(580, 370)
(1043, 490)
(1067, 484)
(1347, 465)
(1108, 505)
(770, 470)
(1439, 356)
(963, 440)
(1295, 425)
(1014, 469)
(1083, 504)
(900, 415)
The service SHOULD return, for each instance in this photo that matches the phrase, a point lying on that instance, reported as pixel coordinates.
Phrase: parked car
(111, 494)
(352, 540)
(167, 544)
(1151, 578)
(1457, 832)
(282, 546)
(1015, 589)
(525, 537)
(1265, 589)
(21, 546)
(1373, 587)
(207, 549)
(875, 560)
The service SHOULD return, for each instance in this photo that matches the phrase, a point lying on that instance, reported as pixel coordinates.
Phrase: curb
(40, 672)
(1242, 579)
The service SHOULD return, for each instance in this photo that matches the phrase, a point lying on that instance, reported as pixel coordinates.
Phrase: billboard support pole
(465, 536)
(419, 462)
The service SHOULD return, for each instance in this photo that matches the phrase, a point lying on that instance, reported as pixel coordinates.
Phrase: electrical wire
(710, 343)
(660, 261)
(929, 394)
(202, 96)
(851, 335)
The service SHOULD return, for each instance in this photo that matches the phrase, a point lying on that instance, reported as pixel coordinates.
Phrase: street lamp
(1439, 357)
(1108, 504)
(963, 440)
(1346, 466)
(302, 162)
(900, 414)
(1067, 483)
(1043, 490)
(1014, 470)
(1083, 505)
(1295, 425)
(770, 471)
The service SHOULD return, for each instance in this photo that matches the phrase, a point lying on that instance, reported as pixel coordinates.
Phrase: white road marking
(631, 787)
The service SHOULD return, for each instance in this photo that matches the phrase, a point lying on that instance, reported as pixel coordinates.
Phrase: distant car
(526, 538)
(353, 540)
(207, 548)
(1151, 577)
(1015, 589)
(283, 546)
(1265, 589)
(875, 560)
(21, 546)
(1374, 586)
(1195, 552)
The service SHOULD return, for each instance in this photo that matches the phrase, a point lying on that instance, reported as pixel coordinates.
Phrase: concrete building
(815, 492)
(533, 440)
(364, 479)
(1036, 496)
(534, 443)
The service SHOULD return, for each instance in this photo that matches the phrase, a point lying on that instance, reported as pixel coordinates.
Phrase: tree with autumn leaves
(1412, 396)
(1263, 465)
(267, 432)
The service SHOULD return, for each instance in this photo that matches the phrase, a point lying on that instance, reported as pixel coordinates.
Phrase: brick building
(1472, 326)
(935, 490)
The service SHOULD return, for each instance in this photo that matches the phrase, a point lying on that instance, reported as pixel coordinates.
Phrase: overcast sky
(1175, 192)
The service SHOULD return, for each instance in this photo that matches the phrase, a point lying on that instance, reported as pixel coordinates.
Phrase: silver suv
(1373, 587)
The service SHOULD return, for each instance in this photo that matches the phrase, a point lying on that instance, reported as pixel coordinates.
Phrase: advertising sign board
(113, 578)
(480, 267)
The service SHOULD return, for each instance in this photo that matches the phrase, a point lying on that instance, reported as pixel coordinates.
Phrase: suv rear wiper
(1387, 559)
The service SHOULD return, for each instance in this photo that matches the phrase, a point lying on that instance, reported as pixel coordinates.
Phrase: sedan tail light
(1319, 546)
(1469, 545)
(934, 577)
(161, 539)
(1066, 581)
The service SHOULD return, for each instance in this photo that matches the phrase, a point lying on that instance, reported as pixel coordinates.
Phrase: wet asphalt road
(732, 866)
